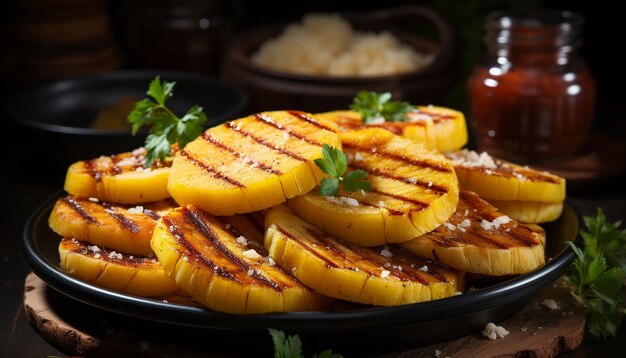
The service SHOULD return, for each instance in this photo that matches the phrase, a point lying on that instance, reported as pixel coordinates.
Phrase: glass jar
(533, 100)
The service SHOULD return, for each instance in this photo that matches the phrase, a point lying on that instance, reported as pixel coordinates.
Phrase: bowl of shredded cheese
(321, 61)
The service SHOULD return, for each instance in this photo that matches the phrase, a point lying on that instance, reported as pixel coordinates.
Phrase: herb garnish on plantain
(166, 128)
(335, 164)
(373, 106)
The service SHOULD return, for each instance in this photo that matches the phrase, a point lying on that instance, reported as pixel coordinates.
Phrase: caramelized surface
(473, 240)
(211, 258)
(126, 228)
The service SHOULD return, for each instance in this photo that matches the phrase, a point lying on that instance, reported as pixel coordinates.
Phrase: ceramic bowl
(270, 89)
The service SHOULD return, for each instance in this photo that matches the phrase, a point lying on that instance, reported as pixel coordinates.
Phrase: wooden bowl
(272, 90)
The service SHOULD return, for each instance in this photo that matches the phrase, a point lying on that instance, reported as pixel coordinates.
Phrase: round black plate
(401, 326)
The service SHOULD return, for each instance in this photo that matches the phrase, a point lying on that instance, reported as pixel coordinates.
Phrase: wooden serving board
(77, 329)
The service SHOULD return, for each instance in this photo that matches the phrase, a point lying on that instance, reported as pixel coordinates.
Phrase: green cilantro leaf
(372, 105)
(335, 164)
(596, 276)
(291, 346)
(166, 128)
(354, 181)
(329, 187)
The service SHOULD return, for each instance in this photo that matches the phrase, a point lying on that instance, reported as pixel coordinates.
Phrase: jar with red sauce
(533, 100)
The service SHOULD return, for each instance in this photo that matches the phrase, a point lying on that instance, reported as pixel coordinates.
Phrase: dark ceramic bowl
(270, 89)
(57, 115)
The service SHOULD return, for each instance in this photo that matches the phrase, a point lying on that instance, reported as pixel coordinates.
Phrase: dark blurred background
(43, 41)
(50, 40)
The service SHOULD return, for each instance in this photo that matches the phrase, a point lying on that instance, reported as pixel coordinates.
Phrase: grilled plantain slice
(119, 178)
(414, 190)
(438, 128)
(120, 227)
(495, 179)
(529, 212)
(222, 263)
(251, 163)
(480, 239)
(135, 275)
(384, 276)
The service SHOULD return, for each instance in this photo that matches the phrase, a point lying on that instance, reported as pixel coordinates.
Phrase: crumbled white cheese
(385, 273)
(503, 219)
(250, 272)
(95, 200)
(465, 223)
(551, 304)
(97, 256)
(342, 200)
(115, 255)
(430, 183)
(412, 180)
(136, 210)
(185, 258)
(93, 248)
(271, 261)
(486, 225)
(359, 157)
(285, 135)
(469, 158)
(242, 240)
(424, 268)
(385, 252)
(450, 226)
(252, 254)
(493, 332)
(382, 204)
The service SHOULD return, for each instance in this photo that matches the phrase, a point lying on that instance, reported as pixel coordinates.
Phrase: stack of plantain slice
(234, 221)
(523, 193)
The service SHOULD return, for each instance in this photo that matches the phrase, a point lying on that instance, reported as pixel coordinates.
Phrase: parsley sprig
(372, 105)
(335, 164)
(597, 274)
(291, 347)
(166, 128)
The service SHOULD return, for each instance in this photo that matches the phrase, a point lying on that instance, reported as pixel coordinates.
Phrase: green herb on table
(335, 164)
(166, 128)
(291, 347)
(597, 274)
(373, 106)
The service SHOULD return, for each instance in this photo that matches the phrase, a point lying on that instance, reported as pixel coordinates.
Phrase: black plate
(59, 113)
(398, 327)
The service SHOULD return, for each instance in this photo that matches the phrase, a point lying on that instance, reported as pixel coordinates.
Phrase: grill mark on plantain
(268, 120)
(193, 252)
(437, 117)
(82, 248)
(215, 173)
(488, 240)
(303, 116)
(261, 141)
(80, 210)
(126, 222)
(209, 138)
(509, 172)
(523, 239)
(305, 246)
(92, 171)
(385, 174)
(379, 151)
(422, 205)
(197, 219)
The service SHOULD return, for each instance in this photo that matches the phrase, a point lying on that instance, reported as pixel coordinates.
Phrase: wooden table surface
(29, 178)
